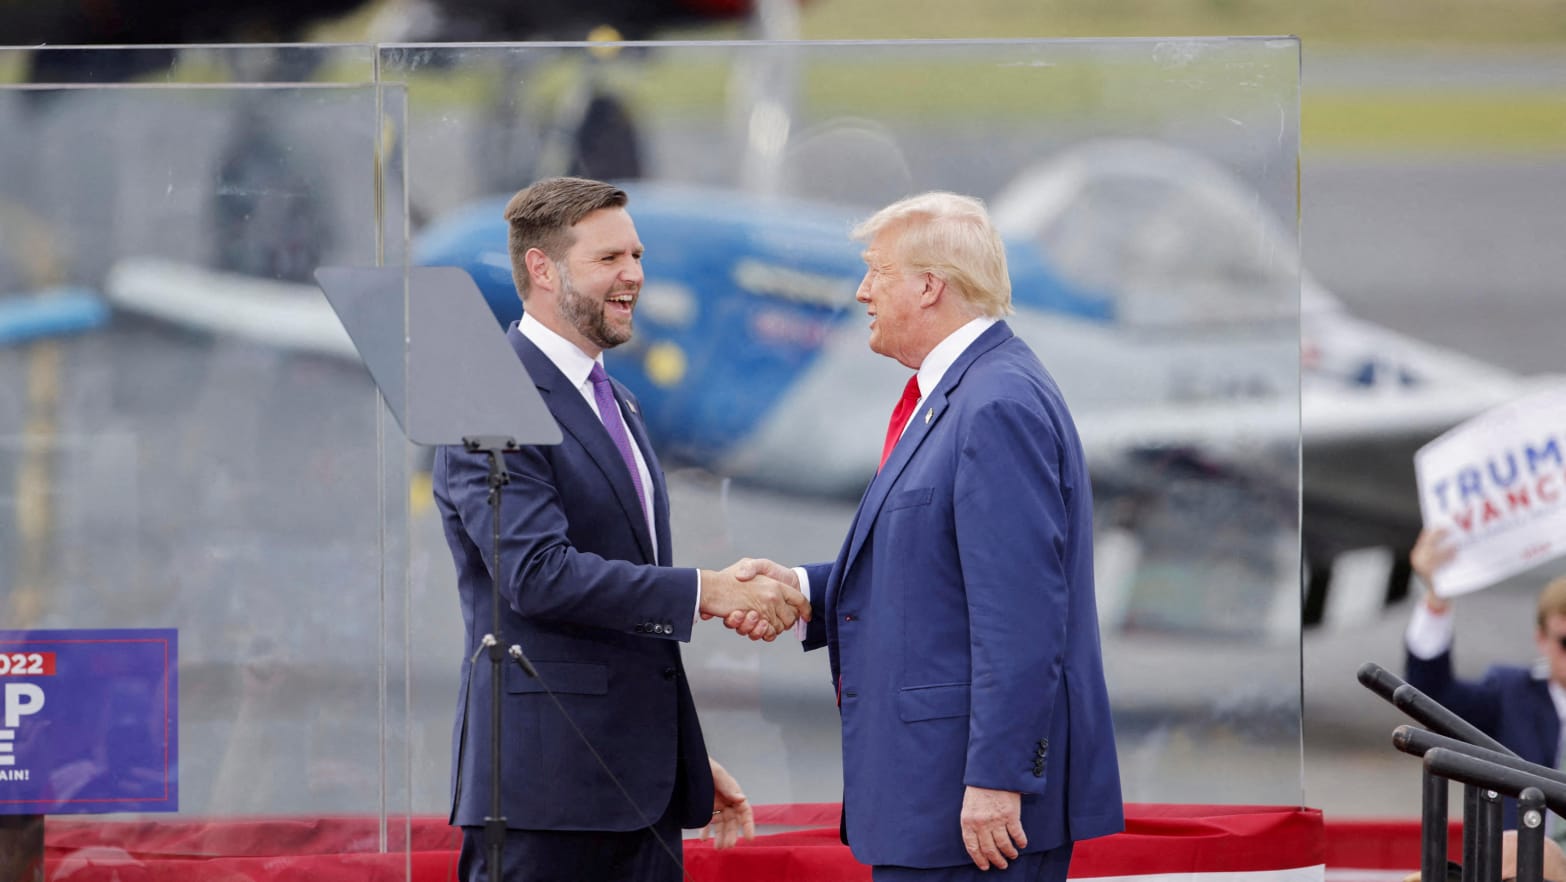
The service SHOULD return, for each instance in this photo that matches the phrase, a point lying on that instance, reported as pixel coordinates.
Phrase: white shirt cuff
(804, 588)
(696, 613)
(1429, 633)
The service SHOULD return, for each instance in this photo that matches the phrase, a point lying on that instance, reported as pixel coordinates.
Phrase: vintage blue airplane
(1175, 316)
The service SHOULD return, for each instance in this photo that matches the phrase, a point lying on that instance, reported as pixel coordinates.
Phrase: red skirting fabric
(1383, 844)
(1159, 839)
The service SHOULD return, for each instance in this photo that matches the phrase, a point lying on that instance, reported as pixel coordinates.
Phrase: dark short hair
(542, 215)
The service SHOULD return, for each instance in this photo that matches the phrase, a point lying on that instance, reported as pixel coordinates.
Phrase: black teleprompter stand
(495, 823)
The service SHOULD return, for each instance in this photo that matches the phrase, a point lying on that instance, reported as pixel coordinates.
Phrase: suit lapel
(919, 427)
(570, 410)
(924, 420)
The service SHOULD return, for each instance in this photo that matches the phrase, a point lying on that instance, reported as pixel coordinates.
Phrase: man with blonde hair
(959, 615)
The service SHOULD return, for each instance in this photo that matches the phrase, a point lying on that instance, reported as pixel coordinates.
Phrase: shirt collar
(946, 352)
(571, 361)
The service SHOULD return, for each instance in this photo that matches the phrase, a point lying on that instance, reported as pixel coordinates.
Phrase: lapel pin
(927, 414)
(631, 405)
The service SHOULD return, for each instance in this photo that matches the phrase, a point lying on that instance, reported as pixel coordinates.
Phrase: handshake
(758, 599)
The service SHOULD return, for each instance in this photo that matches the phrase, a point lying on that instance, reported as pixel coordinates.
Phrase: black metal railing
(1454, 750)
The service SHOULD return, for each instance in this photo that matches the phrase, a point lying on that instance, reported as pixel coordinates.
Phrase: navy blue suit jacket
(601, 622)
(1510, 704)
(961, 622)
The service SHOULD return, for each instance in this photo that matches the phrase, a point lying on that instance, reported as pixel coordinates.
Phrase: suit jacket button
(639, 628)
(669, 673)
(668, 629)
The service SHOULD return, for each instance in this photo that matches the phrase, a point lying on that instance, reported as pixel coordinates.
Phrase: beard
(587, 314)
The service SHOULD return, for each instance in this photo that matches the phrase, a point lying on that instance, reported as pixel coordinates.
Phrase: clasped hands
(756, 598)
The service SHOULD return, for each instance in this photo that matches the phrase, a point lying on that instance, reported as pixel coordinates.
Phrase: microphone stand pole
(495, 823)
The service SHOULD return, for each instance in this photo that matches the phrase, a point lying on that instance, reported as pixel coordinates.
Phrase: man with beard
(603, 759)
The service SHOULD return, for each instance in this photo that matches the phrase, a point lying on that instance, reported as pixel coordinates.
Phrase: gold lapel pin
(927, 414)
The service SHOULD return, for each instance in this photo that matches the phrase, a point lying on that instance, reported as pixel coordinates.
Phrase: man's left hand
(992, 826)
(731, 812)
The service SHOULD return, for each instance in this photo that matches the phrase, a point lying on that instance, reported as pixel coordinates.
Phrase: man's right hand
(748, 568)
(752, 601)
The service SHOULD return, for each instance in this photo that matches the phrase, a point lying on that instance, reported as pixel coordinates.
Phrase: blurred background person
(1521, 706)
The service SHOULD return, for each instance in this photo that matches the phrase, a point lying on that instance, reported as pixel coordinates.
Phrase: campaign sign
(1497, 485)
(88, 721)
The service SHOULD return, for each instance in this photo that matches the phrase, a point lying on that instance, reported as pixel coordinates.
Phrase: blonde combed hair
(949, 236)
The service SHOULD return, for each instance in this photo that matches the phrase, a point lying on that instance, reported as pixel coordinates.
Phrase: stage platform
(797, 843)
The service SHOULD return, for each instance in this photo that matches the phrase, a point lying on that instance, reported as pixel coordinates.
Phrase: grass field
(1325, 22)
(1460, 121)
(1344, 115)
(1337, 113)
(1376, 22)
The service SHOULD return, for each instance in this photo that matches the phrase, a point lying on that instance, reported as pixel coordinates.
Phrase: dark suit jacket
(601, 623)
(1510, 704)
(961, 621)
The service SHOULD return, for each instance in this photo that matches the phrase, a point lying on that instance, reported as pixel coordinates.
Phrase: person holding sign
(1523, 707)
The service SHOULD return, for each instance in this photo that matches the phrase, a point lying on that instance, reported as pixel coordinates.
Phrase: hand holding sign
(1431, 552)
(1497, 486)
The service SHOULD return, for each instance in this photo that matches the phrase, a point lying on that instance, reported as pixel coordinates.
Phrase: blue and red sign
(89, 721)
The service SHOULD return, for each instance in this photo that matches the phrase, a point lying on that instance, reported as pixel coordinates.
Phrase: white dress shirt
(1429, 633)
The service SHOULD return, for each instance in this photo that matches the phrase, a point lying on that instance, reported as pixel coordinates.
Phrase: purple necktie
(609, 412)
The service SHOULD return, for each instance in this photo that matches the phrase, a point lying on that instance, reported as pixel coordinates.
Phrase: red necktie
(900, 414)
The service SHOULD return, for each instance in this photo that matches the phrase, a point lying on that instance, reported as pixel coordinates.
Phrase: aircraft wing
(283, 314)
